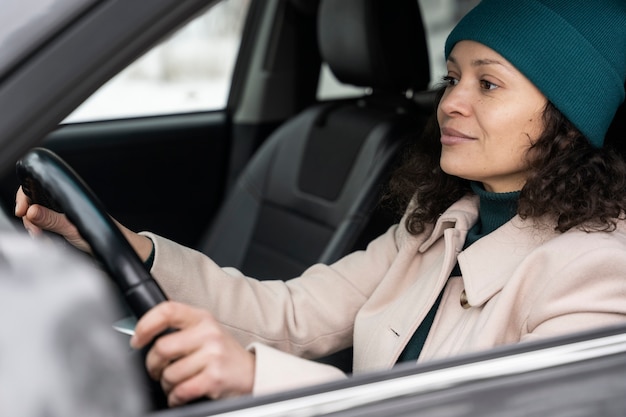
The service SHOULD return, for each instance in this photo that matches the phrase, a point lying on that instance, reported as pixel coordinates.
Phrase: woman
(515, 230)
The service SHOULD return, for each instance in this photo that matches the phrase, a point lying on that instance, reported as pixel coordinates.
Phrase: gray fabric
(59, 356)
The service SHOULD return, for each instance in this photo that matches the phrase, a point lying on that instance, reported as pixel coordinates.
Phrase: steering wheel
(48, 180)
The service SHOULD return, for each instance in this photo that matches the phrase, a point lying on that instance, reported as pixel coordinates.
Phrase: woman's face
(489, 116)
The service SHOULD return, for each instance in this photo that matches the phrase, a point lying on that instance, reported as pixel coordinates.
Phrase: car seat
(309, 191)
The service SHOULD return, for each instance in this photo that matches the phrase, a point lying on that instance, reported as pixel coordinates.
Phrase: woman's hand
(37, 218)
(201, 359)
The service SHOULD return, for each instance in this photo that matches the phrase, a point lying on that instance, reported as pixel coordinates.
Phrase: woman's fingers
(200, 359)
(21, 203)
(188, 390)
(195, 329)
(155, 321)
(170, 348)
(184, 369)
(217, 368)
(37, 218)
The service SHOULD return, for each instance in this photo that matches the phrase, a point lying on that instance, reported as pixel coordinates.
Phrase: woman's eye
(450, 81)
(486, 85)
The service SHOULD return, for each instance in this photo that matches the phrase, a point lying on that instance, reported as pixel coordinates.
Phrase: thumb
(45, 219)
(42, 217)
(50, 220)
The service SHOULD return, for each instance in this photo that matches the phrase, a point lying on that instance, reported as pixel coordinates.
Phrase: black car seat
(308, 192)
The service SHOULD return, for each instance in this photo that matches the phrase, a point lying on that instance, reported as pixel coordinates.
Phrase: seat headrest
(374, 43)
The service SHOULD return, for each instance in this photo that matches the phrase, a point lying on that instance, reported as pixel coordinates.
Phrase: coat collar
(488, 263)
(485, 265)
(461, 216)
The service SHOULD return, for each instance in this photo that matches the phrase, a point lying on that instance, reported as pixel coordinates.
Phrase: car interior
(291, 180)
(319, 174)
(308, 192)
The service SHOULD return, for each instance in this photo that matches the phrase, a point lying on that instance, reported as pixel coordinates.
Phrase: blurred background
(191, 70)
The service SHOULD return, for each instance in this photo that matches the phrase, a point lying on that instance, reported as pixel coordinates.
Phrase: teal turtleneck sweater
(495, 209)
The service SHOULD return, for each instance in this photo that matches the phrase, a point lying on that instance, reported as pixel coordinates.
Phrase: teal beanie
(574, 51)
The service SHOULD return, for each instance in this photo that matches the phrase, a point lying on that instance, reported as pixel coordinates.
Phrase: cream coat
(522, 281)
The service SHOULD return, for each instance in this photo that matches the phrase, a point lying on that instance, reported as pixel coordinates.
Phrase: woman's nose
(455, 100)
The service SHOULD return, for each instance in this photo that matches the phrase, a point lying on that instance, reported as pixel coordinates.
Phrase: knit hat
(574, 51)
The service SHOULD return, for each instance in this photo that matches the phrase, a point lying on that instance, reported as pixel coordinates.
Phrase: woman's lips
(451, 136)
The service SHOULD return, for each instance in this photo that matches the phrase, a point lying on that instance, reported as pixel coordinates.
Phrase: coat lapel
(490, 262)
(438, 252)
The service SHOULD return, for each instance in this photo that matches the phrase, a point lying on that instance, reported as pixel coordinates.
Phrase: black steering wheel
(48, 180)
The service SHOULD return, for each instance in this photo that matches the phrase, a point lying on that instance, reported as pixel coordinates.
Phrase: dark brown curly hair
(570, 183)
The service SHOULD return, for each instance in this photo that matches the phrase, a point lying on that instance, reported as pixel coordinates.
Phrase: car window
(190, 71)
(439, 18)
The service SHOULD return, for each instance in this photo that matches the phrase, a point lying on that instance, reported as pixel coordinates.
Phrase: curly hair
(570, 182)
